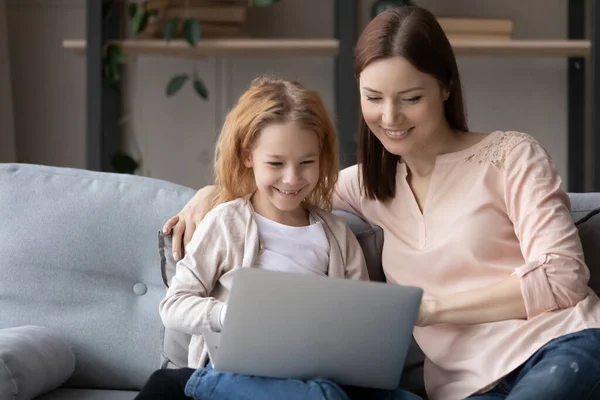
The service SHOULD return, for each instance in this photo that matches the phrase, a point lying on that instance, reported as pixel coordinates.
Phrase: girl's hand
(427, 313)
(183, 225)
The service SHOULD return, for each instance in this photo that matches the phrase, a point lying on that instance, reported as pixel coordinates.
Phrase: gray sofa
(80, 274)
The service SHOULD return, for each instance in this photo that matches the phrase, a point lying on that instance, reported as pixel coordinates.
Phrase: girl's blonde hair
(271, 100)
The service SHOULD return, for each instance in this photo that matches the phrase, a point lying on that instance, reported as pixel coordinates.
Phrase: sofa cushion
(78, 255)
(33, 361)
(589, 232)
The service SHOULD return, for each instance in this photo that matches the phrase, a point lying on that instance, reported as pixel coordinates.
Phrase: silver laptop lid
(304, 327)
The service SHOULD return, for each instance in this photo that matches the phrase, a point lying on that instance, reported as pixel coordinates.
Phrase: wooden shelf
(222, 47)
(528, 48)
(329, 47)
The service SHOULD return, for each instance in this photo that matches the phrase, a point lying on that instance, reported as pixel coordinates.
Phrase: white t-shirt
(297, 249)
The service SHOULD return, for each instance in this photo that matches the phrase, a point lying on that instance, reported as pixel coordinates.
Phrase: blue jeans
(207, 383)
(567, 367)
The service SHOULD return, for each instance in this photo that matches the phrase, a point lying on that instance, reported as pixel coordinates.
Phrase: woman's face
(401, 105)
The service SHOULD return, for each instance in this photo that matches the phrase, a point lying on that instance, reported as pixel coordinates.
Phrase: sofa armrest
(33, 360)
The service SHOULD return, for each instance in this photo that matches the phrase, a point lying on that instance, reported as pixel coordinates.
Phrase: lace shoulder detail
(495, 152)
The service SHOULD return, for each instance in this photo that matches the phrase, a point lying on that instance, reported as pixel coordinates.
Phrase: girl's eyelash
(372, 98)
(279, 163)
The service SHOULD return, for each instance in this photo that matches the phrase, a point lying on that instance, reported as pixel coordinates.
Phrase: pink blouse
(492, 210)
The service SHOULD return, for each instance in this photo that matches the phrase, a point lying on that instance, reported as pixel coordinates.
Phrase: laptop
(285, 325)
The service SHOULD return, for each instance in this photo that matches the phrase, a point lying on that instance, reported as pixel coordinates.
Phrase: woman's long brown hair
(415, 34)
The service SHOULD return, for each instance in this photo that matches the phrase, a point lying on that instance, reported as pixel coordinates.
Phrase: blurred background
(43, 91)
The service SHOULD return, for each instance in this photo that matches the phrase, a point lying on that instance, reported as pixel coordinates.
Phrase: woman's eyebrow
(400, 92)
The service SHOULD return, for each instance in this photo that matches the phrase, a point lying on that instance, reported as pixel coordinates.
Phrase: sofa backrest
(78, 253)
(585, 209)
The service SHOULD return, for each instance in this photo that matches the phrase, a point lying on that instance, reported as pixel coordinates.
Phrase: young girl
(276, 167)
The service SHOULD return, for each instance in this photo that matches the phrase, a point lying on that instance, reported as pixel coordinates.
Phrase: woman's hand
(183, 225)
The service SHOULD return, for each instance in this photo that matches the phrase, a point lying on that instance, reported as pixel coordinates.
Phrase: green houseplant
(139, 16)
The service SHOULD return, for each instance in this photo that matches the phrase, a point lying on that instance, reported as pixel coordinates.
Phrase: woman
(479, 221)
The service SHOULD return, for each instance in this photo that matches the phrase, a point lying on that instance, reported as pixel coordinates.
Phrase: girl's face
(403, 107)
(285, 162)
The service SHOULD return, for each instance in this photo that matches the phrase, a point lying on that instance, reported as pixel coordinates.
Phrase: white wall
(48, 82)
(175, 136)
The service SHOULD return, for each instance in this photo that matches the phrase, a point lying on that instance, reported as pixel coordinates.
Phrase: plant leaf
(171, 28)
(200, 88)
(109, 75)
(116, 72)
(124, 164)
(139, 21)
(113, 58)
(264, 3)
(192, 31)
(176, 83)
(115, 54)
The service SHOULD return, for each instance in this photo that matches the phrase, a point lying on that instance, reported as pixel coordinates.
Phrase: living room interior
(157, 110)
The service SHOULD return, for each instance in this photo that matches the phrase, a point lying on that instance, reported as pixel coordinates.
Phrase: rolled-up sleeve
(554, 275)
